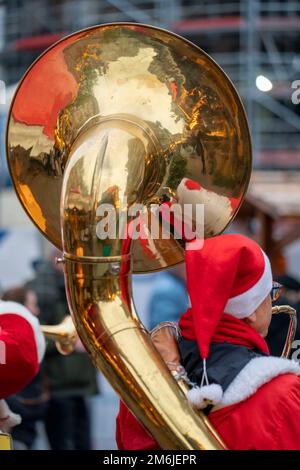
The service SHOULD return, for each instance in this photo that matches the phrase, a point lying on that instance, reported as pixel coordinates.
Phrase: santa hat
(22, 347)
(230, 274)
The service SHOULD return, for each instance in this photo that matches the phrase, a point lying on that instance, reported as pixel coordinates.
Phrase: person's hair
(16, 294)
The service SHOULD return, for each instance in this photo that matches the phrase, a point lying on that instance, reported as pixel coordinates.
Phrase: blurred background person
(169, 298)
(31, 402)
(70, 379)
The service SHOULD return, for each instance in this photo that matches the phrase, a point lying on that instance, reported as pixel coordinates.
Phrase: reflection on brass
(64, 334)
(292, 326)
(126, 114)
(188, 119)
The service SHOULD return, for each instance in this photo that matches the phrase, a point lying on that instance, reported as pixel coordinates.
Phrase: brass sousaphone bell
(119, 115)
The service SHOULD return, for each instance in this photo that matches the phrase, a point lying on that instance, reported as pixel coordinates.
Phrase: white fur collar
(256, 373)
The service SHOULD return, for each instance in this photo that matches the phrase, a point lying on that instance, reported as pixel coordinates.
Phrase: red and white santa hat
(22, 347)
(218, 209)
(230, 274)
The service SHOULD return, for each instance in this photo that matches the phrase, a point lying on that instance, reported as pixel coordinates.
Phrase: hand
(8, 419)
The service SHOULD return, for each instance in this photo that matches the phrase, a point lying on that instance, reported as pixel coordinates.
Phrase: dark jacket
(279, 327)
(31, 404)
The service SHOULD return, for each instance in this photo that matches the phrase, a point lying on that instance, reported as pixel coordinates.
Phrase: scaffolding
(256, 42)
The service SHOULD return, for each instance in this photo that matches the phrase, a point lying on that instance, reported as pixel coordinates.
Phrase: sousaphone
(119, 115)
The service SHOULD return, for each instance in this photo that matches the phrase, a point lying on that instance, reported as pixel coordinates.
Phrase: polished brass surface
(5, 441)
(188, 119)
(165, 338)
(64, 334)
(122, 349)
(122, 114)
(278, 309)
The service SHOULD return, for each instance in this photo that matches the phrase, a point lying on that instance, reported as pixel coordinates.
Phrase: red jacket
(267, 420)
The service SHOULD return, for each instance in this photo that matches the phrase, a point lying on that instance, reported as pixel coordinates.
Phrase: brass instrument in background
(64, 334)
(287, 309)
(126, 114)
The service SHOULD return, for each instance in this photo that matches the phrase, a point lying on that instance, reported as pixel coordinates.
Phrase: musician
(279, 326)
(251, 398)
(22, 347)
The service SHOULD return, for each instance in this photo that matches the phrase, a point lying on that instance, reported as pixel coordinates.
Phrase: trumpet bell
(64, 334)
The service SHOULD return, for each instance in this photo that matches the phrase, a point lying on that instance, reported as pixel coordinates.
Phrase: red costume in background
(22, 346)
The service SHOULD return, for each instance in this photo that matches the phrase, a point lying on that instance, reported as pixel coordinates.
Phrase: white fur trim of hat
(243, 305)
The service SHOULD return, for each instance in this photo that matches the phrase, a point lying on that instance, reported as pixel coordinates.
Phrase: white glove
(8, 419)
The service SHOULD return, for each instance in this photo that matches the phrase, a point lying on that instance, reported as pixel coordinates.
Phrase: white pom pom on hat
(201, 397)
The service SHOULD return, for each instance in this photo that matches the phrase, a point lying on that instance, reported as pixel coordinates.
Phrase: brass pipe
(99, 295)
(122, 350)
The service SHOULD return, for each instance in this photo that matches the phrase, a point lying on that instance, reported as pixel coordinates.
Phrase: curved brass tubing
(99, 294)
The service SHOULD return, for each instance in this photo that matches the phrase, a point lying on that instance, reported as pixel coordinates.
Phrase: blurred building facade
(256, 42)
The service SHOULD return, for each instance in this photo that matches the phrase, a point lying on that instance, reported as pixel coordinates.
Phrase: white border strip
(243, 305)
